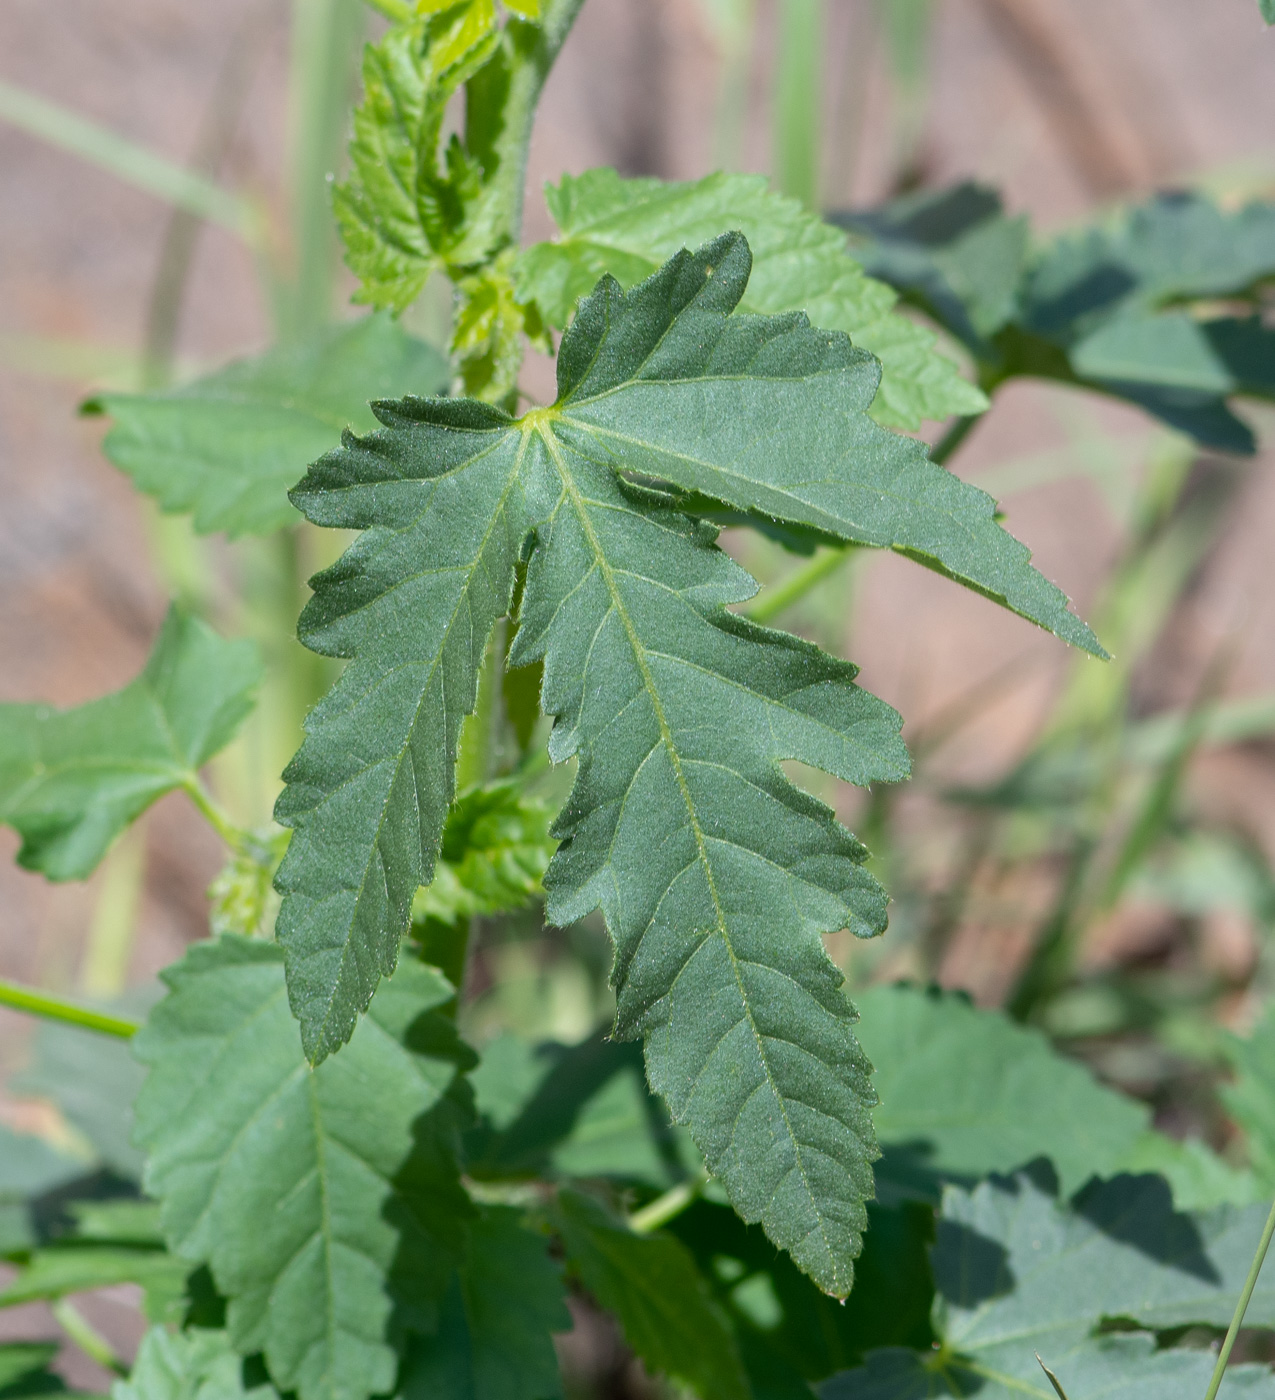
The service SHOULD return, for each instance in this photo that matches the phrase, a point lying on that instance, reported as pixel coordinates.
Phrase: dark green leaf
(951, 252)
(1175, 247)
(194, 1365)
(24, 1371)
(63, 1270)
(630, 227)
(965, 1092)
(493, 1340)
(72, 780)
(717, 876)
(1017, 1273)
(227, 447)
(325, 1201)
(441, 500)
(651, 1284)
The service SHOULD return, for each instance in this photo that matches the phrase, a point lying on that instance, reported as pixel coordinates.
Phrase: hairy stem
(1241, 1307)
(55, 1008)
(535, 49)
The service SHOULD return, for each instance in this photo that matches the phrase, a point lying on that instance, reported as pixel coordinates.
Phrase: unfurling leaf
(716, 875)
(630, 227)
(72, 780)
(227, 447)
(326, 1202)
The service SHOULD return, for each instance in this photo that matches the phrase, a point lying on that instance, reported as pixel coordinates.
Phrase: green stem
(795, 587)
(664, 1208)
(55, 1008)
(85, 1336)
(535, 48)
(215, 815)
(1241, 1307)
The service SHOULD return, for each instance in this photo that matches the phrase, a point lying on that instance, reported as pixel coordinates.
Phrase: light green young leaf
(194, 1365)
(67, 1269)
(72, 780)
(401, 215)
(326, 1202)
(651, 1284)
(1017, 1273)
(965, 1092)
(495, 848)
(227, 447)
(495, 1322)
(630, 227)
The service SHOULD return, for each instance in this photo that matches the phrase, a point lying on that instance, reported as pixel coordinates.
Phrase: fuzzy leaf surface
(630, 227)
(196, 1365)
(652, 1285)
(965, 1092)
(494, 1337)
(440, 499)
(227, 447)
(769, 415)
(715, 874)
(1018, 1273)
(72, 780)
(326, 1202)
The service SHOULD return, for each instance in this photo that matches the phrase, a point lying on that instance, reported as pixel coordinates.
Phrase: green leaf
(93, 1081)
(326, 1202)
(1197, 1176)
(716, 876)
(1267, 8)
(795, 444)
(66, 1269)
(493, 1340)
(402, 215)
(1017, 1274)
(965, 1092)
(953, 253)
(118, 1222)
(194, 1365)
(651, 1284)
(1175, 247)
(630, 227)
(494, 851)
(1250, 1098)
(72, 780)
(227, 447)
(24, 1370)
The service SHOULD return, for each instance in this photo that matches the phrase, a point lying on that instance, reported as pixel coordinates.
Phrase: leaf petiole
(1241, 1307)
(671, 1204)
(216, 816)
(795, 587)
(55, 1008)
(85, 1336)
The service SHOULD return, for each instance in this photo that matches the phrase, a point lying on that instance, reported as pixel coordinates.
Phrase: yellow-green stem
(55, 1008)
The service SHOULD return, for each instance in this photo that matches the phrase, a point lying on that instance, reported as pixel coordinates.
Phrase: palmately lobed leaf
(1019, 1273)
(227, 447)
(326, 1202)
(72, 780)
(717, 876)
(628, 228)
